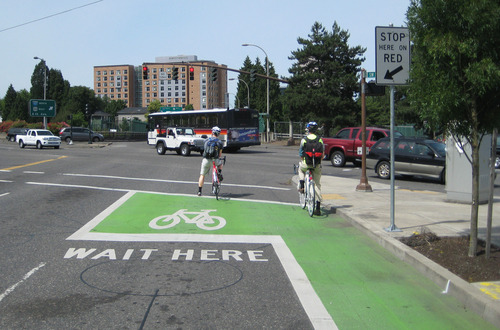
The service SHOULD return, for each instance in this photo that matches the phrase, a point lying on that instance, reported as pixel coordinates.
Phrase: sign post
(392, 49)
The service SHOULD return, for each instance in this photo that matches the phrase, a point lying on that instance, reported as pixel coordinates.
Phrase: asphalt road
(77, 251)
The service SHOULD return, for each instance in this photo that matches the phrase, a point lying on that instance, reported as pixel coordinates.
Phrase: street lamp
(44, 85)
(248, 90)
(267, 80)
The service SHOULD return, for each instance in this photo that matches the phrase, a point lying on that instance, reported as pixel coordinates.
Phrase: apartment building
(116, 82)
(175, 81)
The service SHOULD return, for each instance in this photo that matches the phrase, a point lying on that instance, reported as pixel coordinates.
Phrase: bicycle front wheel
(311, 198)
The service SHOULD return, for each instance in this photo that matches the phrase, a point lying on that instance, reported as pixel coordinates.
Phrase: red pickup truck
(347, 144)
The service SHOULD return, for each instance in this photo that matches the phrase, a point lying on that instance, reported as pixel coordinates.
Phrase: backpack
(313, 150)
(212, 148)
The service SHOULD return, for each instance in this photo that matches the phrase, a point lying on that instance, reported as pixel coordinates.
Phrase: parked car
(497, 159)
(79, 134)
(13, 132)
(413, 156)
(346, 145)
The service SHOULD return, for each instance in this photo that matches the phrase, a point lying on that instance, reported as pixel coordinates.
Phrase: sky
(73, 36)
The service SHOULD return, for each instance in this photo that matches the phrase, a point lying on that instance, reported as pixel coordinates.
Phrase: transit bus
(239, 127)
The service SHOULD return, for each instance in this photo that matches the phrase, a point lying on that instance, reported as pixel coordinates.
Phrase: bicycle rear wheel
(215, 184)
(311, 198)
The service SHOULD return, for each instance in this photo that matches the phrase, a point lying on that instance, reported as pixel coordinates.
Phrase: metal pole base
(393, 228)
(363, 186)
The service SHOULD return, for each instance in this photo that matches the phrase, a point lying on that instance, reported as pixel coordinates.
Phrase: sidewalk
(370, 212)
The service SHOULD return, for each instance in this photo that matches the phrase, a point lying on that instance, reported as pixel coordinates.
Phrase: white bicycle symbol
(202, 219)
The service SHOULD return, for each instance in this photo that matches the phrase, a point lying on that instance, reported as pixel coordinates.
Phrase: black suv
(13, 132)
(413, 156)
(79, 134)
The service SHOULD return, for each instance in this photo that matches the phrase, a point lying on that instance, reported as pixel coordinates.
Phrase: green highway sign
(165, 109)
(42, 108)
(371, 75)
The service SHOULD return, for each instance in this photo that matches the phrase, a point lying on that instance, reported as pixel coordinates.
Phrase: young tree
(324, 78)
(455, 74)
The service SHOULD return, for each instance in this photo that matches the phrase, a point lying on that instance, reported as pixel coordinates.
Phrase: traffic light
(213, 74)
(145, 72)
(252, 75)
(191, 73)
(175, 74)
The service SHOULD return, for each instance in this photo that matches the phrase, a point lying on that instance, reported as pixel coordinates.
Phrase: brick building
(195, 83)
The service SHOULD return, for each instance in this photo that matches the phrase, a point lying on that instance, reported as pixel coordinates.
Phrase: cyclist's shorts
(206, 164)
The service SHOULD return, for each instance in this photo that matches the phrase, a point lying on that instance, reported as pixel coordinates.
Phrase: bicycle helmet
(216, 130)
(312, 127)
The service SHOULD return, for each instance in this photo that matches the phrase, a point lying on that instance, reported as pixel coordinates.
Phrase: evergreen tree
(9, 103)
(324, 78)
(37, 87)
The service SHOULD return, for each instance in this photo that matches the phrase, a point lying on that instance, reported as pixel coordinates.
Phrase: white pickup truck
(181, 139)
(39, 138)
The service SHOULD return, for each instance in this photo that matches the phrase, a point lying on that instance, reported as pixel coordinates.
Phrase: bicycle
(308, 197)
(215, 178)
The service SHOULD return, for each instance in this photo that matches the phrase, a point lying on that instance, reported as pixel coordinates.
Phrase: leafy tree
(58, 88)
(19, 110)
(37, 79)
(189, 106)
(112, 107)
(455, 74)
(324, 78)
(154, 106)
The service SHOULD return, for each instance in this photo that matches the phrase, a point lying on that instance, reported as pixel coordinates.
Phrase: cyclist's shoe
(219, 174)
(301, 190)
(199, 193)
(317, 209)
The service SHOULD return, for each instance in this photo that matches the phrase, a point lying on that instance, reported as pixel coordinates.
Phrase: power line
(40, 19)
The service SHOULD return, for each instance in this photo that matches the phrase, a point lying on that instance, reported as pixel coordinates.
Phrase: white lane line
(168, 181)
(33, 172)
(4, 194)
(6, 181)
(28, 274)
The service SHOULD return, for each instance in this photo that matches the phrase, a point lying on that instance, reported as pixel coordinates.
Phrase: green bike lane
(360, 284)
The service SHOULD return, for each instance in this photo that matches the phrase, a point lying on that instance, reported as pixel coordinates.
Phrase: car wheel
(39, 145)
(68, 139)
(338, 159)
(21, 144)
(442, 177)
(384, 170)
(96, 139)
(497, 162)
(185, 151)
(160, 148)
(12, 139)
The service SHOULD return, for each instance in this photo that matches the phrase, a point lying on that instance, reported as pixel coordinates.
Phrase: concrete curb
(472, 298)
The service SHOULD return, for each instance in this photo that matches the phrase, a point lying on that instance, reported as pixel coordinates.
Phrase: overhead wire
(49, 16)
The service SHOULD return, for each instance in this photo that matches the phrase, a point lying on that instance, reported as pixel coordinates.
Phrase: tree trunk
(475, 181)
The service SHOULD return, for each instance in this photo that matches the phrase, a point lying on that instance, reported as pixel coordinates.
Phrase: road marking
(33, 172)
(8, 181)
(169, 181)
(314, 308)
(4, 194)
(148, 192)
(28, 274)
(31, 164)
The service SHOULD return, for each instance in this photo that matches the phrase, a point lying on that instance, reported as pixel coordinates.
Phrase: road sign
(42, 108)
(392, 49)
(371, 75)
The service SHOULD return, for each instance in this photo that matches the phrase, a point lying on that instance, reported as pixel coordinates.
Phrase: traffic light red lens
(144, 68)
(191, 69)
